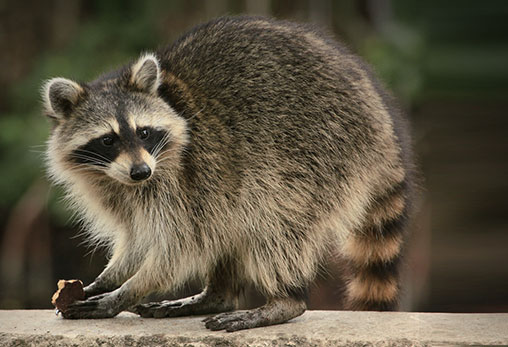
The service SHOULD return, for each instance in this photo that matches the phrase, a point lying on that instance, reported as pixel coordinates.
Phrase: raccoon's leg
(220, 295)
(374, 254)
(277, 310)
(106, 282)
(119, 268)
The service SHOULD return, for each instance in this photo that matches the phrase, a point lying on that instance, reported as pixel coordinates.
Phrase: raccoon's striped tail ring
(374, 254)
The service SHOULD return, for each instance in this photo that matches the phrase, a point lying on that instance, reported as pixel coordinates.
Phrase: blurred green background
(446, 61)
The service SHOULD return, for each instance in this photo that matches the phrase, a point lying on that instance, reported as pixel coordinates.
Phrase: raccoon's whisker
(85, 156)
(92, 156)
(156, 150)
(82, 166)
(39, 154)
(93, 159)
(83, 170)
(162, 160)
(161, 154)
(86, 167)
(38, 149)
(161, 145)
(163, 142)
(195, 114)
(86, 152)
(158, 154)
(38, 146)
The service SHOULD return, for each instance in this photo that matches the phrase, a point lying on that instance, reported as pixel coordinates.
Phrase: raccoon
(244, 154)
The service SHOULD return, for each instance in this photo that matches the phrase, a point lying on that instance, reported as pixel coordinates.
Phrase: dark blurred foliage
(446, 62)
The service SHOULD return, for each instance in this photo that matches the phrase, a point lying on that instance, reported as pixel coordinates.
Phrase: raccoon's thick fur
(243, 154)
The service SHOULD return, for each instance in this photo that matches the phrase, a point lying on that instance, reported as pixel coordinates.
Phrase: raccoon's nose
(140, 172)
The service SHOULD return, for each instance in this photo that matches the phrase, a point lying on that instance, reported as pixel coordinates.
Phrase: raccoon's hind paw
(233, 321)
(274, 312)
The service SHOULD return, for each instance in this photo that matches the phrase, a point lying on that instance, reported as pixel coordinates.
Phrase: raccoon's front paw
(99, 306)
(204, 303)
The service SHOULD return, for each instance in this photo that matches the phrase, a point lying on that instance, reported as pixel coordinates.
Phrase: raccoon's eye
(144, 133)
(107, 141)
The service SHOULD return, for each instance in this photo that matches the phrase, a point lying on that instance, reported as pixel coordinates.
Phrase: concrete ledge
(314, 328)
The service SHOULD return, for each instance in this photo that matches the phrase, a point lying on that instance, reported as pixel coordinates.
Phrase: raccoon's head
(115, 128)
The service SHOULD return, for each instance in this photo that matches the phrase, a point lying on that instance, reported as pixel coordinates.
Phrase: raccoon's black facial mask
(104, 149)
(100, 151)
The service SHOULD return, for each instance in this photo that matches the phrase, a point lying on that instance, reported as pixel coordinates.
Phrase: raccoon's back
(275, 104)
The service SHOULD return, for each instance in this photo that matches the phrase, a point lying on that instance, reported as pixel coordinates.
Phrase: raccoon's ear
(145, 74)
(60, 96)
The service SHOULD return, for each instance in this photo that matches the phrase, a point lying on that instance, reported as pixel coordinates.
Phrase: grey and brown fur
(270, 147)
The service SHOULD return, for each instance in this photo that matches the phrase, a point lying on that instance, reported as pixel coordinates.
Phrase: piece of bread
(68, 292)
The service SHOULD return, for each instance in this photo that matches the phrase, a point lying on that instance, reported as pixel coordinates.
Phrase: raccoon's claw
(233, 321)
(100, 306)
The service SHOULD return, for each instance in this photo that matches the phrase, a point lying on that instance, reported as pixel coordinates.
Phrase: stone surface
(314, 328)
